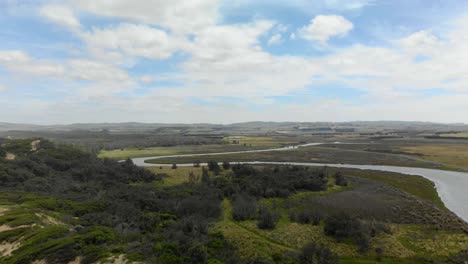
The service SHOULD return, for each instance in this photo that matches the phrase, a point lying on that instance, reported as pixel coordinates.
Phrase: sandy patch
(77, 260)
(35, 145)
(6, 227)
(7, 248)
(3, 210)
(42, 261)
(116, 260)
(48, 219)
(10, 156)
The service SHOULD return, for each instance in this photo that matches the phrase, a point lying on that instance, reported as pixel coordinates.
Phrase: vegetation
(59, 203)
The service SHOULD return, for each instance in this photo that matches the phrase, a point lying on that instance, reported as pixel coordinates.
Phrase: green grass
(166, 151)
(458, 135)
(257, 141)
(39, 235)
(408, 244)
(14, 218)
(416, 185)
(312, 154)
(179, 175)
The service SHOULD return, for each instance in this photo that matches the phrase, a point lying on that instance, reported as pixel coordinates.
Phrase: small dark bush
(266, 218)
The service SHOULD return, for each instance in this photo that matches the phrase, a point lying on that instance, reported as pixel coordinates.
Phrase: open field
(164, 151)
(258, 141)
(179, 175)
(454, 154)
(313, 154)
(457, 135)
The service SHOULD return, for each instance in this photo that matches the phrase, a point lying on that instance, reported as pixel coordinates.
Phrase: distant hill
(136, 126)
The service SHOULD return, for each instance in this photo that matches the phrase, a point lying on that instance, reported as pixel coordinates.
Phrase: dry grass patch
(447, 154)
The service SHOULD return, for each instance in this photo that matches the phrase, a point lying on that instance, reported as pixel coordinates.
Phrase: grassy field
(313, 154)
(416, 185)
(165, 151)
(179, 175)
(241, 143)
(258, 141)
(407, 244)
(453, 154)
(458, 135)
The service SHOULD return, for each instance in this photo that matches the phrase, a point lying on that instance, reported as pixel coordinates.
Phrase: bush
(343, 226)
(226, 165)
(266, 218)
(302, 217)
(313, 253)
(340, 179)
(244, 208)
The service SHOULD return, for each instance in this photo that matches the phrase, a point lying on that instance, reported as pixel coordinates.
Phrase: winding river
(452, 186)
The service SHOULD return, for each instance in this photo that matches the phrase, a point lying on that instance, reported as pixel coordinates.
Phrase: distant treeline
(97, 140)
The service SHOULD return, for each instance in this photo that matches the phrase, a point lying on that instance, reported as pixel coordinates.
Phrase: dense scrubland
(59, 204)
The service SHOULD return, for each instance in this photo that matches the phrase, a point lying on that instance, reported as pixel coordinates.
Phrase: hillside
(59, 204)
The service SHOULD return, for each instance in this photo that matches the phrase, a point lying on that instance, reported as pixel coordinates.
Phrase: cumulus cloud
(229, 60)
(18, 62)
(421, 42)
(61, 15)
(324, 27)
(180, 16)
(133, 40)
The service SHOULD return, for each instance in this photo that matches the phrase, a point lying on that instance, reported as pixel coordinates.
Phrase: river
(452, 186)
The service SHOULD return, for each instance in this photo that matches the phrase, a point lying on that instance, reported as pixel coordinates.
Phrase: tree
(205, 178)
(313, 253)
(192, 178)
(213, 165)
(226, 165)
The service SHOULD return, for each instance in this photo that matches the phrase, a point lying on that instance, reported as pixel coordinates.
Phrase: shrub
(226, 165)
(340, 179)
(266, 218)
(244, 208)
(313, 253)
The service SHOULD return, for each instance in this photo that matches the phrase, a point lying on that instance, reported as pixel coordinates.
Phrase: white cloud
(61, 15)
(13, 56)
(96, 71)
(180, 16)
(19, 62)
(229, 61)
(275, 39)
(324, 27)
(347, 4)
(421, 42)
(133, 40)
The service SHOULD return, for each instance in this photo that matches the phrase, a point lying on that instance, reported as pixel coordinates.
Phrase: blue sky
(232, 61)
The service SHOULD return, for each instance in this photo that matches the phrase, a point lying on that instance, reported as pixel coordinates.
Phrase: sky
(215, 61)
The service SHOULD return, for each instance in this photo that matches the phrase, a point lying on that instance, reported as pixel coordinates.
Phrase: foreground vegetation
(60, 204)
